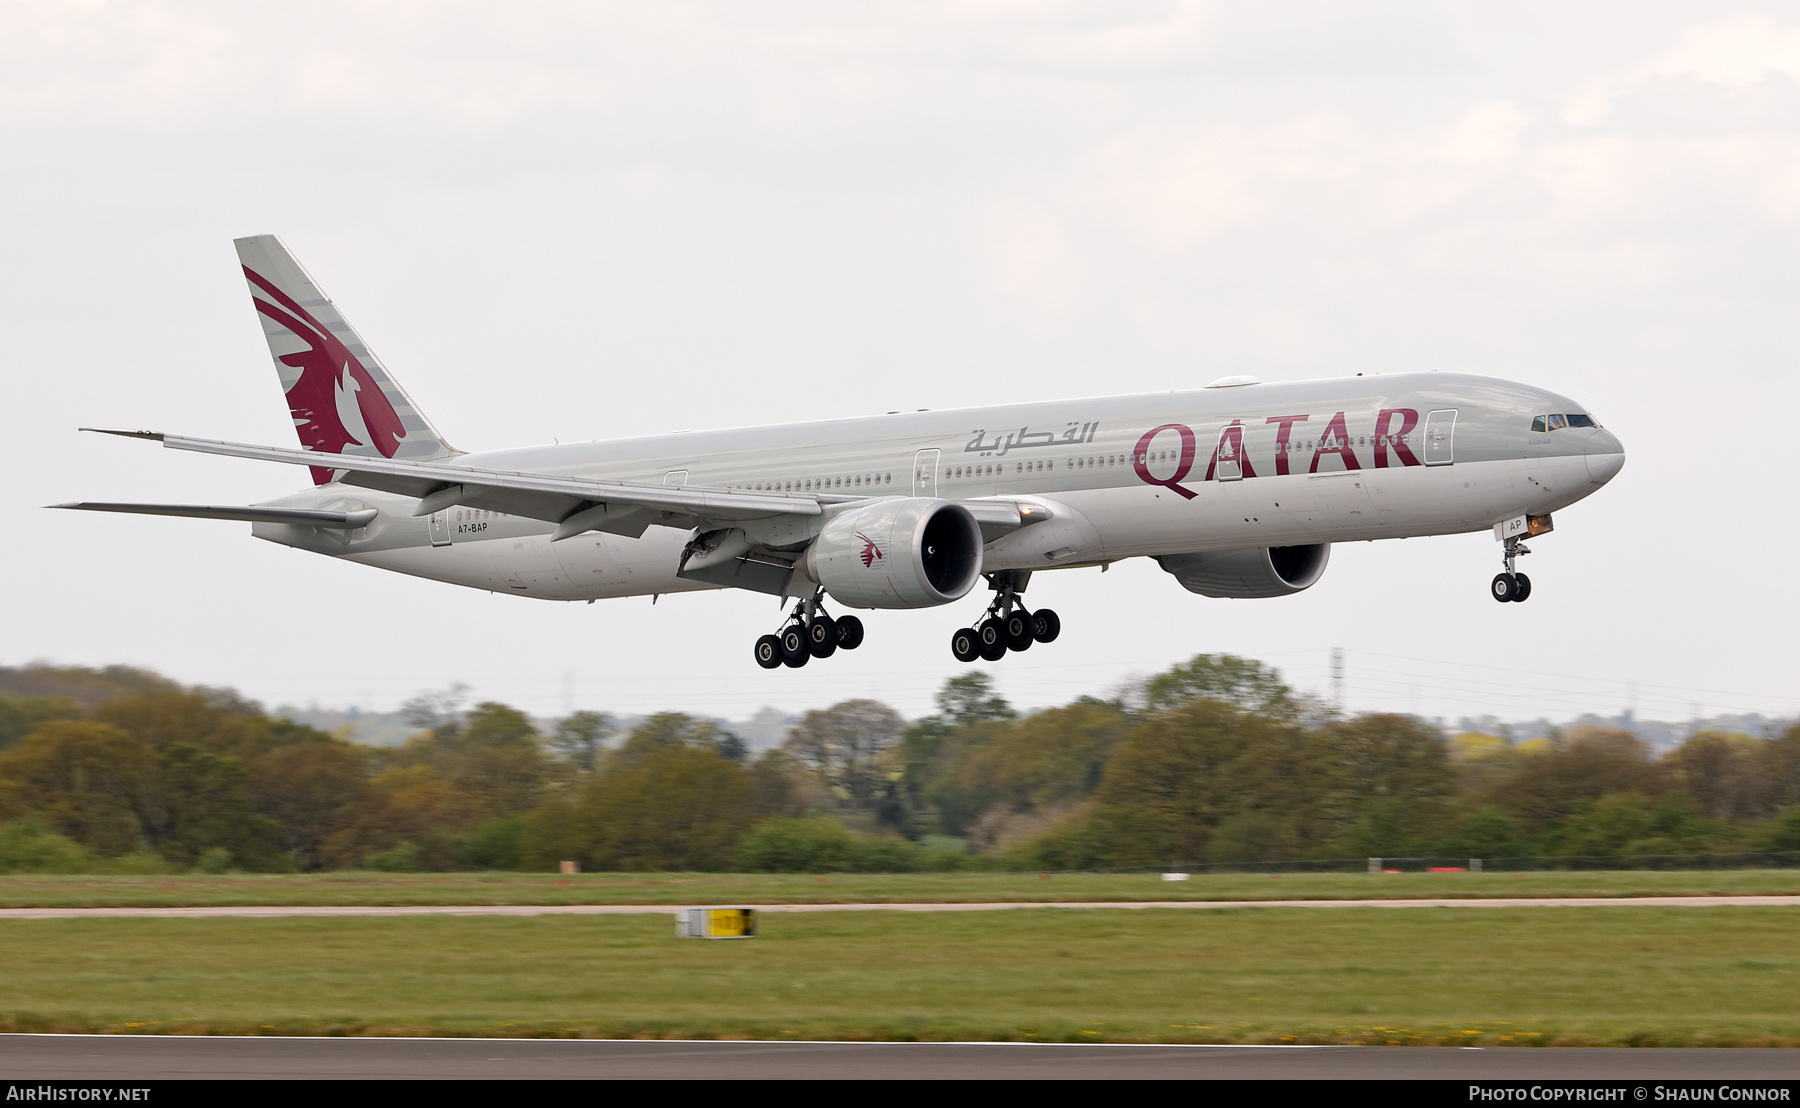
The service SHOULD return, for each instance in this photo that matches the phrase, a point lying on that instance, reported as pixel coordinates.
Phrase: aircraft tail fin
(343, 400)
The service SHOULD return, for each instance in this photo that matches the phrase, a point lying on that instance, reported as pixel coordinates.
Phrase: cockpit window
(1557, 422)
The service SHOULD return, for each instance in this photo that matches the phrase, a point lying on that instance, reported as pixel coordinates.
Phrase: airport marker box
(715, 923)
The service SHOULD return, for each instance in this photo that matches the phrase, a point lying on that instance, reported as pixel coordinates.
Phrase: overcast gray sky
(574, 220)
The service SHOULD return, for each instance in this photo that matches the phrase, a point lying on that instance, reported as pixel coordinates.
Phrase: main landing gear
(808, 633)
(1006, 625)
(1512, 586)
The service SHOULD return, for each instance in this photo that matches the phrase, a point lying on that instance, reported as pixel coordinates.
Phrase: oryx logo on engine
(870, 552)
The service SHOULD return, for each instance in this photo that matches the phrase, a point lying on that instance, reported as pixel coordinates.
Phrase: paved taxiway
(149, 1057)
(271, 911)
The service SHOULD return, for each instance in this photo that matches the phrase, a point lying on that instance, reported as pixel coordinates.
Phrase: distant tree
(797, 846)
(20, 717)
(674, 730)
(1241, 682)
(1581, 764)
(1782, 832)
(671, 807)
(1388, 755)
(1726, 774)
(206, 803)
(1058, 754)
(846, 744)
(1182, 773)
(200, 718)
(319, 794)
(732, 748)
(434, 709)
(88, 688)
(499, 760)
(579, 737)
(970, 698)
(91, 782)
(1486, 832)
(773, 787)
(1782, 758)
(1024, 764)
(30, 846)
(1632, 823)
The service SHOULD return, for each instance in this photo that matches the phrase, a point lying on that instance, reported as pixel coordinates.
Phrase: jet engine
(1257, 572)
(912, 552)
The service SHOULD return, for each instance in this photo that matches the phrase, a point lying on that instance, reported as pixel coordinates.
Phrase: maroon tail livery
(343, 400)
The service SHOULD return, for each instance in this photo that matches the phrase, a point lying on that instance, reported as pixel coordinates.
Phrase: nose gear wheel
(1511, 586)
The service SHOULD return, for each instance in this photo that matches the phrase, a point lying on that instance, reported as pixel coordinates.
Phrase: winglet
(154, 436)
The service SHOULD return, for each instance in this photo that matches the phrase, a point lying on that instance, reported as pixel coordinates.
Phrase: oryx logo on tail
(870, 552)
(335, 403)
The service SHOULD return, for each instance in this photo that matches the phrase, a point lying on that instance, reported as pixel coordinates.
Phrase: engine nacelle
(1259, 572)
(912, 552)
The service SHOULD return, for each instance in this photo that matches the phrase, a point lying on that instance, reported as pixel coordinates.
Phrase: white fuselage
(1289, 464)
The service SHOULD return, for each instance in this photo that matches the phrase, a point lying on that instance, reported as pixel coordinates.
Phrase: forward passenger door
(1440, 437)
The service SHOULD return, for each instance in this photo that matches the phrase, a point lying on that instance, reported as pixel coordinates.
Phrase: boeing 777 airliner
(1237, 489)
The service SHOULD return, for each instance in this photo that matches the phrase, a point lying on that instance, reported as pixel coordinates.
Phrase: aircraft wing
(578, 503)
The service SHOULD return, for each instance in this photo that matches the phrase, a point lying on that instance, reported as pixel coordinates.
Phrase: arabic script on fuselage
(1025, 438)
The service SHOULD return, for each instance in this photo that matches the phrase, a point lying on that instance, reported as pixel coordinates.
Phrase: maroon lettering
(1335, 440)
(1141, 456)
(1282, 433)
(1386, 436)
(1230, 448)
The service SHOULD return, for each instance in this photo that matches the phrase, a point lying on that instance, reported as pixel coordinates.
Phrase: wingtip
(124, 432)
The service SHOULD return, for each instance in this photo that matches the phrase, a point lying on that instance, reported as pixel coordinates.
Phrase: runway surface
(149, 1057)
(271, 911)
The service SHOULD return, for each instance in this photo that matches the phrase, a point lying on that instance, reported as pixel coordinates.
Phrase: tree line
(1214, 761)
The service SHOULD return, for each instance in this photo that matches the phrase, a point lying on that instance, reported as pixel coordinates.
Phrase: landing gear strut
(808, 632)
(1006, 625)
(1512, 586)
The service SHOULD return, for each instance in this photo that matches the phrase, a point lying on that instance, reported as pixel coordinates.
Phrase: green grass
(1499, 977)
(20, 890)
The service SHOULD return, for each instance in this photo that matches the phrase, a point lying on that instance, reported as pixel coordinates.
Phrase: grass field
(19, 891)
(1498, 977)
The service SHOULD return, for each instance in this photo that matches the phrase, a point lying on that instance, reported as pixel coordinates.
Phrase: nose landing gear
(1006, 625)
(807, 633)
(1512, 586)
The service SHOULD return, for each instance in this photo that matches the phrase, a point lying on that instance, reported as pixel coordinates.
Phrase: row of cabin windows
(820, 484)
(1547, 423)
(957, 473)
(960, 472)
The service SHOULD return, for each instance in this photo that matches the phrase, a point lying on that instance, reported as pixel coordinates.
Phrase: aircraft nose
(1605, 456)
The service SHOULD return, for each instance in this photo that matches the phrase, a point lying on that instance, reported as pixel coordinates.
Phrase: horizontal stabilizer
(301, 517)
